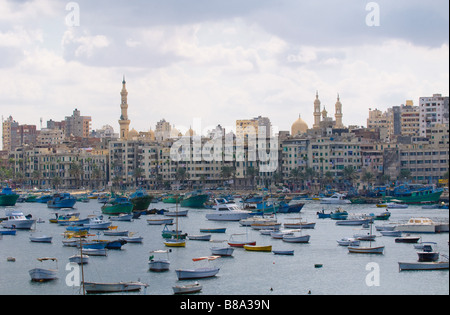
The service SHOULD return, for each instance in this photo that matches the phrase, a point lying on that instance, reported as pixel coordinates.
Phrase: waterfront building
(433, 110)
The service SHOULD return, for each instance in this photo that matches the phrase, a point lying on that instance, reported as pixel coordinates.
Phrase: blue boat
(8, 232)
(117, 244)
(44, 198)
(286, 208)
(339, 215)
(323, 215)
(64, 200)
(94, 245)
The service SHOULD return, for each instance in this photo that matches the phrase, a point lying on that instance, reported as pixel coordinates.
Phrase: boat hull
(40, 274)
(366, 250)
(159, 265)
(123, 208)
(8, 200)
(296, 239)
(222, 251)
(197, 201)
(187, 289)
(18, 224)
(442, 265)
(95, 287)
(255, 248)
(141, 203)
(201, 273)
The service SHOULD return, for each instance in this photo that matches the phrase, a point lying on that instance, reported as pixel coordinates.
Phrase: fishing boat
(16, 220)
(140, 200)
(95, 251)
(205, 237)
(195, 199)
(159, 221)
(64, 200)
(414, 194)
(100, 287)
(408, 239)
(41, 239)
(44, 198)
(323, 215)
(366, 249)
(98, 223)
(133, 239)
(348, 241)
(290, 208)
(383, 216)
(339, 214)
(170, 199)
(428, 260)
(222, 251)
(8, 232)
(199, 273)
(226, 211)
(187, 289)
(159, 264)
(257, 219)
(43, 274)
(240, 243)
(335, 199)
(258, 248)
(8, 198)
(117, 205)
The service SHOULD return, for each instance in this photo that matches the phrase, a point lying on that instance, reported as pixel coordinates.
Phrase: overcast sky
(218, 60)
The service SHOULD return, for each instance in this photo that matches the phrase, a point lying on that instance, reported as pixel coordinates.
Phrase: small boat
(200, 273)
(283, 252)
(393, 205)
(42, 274)
(98, 223)
(335, 199)
(41, 239)
(187, 289)
(300, 225)
(280, 234)
(259, 248)
(323, 215)
(385, 227)
(348, 241)
(15, 219)
(217, 230)
(222, 251)
(133, 239)
(206, 237)
(353, 222)
(391, 233)
(113, 232)
(79, 259)
(226, 211)
(99, 287)
(59, 201)
(427, 252)
(265, 226)
(159, 221)
(431, 265)
(194, 199)
(8, 198)
(407, 239)
(366, 250)
(365, 237)
(383, 216)
(94, 251)
(339, 214)
(8, 232)
(179, 213)
(173, 242)
(160, 264)
(296, 238)
(122, 217)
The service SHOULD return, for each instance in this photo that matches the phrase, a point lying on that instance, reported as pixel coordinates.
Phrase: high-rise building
(433, 110)
(77, 125)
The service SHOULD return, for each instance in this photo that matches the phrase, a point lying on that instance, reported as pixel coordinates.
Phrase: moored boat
(140, 200)
(8, 198)
(64, 200)
(44, 274)
(117, 205)
(200, 273)
(159, 264)
(15, 219)
(222, 251)
(101, 287)
(258, 248)
(187, 289)
(195, 199)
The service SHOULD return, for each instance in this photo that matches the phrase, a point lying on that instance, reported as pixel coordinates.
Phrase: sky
(218, 61)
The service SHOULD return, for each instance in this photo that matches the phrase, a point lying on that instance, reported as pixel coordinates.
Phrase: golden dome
(133, 134)
(190, 133)
(299, 127)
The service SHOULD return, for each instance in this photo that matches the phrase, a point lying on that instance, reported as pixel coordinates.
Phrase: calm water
(246, 273)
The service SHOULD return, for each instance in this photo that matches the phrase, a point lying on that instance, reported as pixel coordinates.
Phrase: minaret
(124, 122)
(317, 112)
(338, 114)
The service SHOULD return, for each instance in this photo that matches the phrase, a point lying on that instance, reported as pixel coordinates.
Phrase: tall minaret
(124, 122)
(317, 112)
(338, 114)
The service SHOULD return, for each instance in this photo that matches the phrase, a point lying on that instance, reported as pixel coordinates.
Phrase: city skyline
(219, 61)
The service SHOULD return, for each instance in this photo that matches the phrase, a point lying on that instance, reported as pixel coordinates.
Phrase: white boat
(336, 199)
(353, 222)
(255, 220)
(429, 265)
(115, 233)
(417, 225)
(386, 227)
(99, 287)
(78, 259)
(122, 217)
(391, 233)
(95, 251)
(42, 274)
(366, 250)
(98, 223)
(133, 239)
(348, 241)
(159, 221)
(296, 238)
(187, 289)
(16, 220)
(222, 251)
(365, 237)
(205, 237)
(393, 205)
(41, 239)
(159, 264)
(280, 234)
(200, 273)
(179, 213)
(227, 212)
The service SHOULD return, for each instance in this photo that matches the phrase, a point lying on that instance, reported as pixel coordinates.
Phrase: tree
(76, 171)
(226, 173)
(137, 174)
(349, 174)
(405, 175)
(368, 178)
(252, 173)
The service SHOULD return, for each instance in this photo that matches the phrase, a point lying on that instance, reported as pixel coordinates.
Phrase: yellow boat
(175, 243)
(381, 205)
(256, 248)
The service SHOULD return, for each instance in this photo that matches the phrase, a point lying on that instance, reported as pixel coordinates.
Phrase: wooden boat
(187, 289)
(283, 252)
(140, 200)
(60, 201)
(8, 198)
(280, 234)
(122, 217)
(42, 274)
(407, 239)
(41, 239)
(95, 251)
(181, 213)
(300, 225)
(173, 242)
(366, 250)
(296, 238)
(159, 264)
(353, 222)
(8, 232)
(206, 237)
(159, 221)
(222, 251)
(348, 241)
(240, 243)
(265, 226)
(79, 259)
(133, 239)
(117, 205)
(200, 273)
(99, 287)
(115, 233)
(430, 265)
(259, 248)
(217, 230)
(391, 233)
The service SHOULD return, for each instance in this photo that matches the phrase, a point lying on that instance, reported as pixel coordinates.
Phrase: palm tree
(252, 173)
(405, 175)
(137, 174)
(349, 174)
(368, 178)
(76, 170)
(226, 173)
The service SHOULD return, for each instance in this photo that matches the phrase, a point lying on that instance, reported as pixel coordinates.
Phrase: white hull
(184, 274)
(185, 289)
(441, 265)
(159, 222)
(366, 250)
(348, 242)
(410, 228)
(296, 239)
(222, 251)
(159, 265)
(41, 239)
(135, 239)
(228, 216)
(18, 224)
(94, 287)
(391, 233)
(94, 252)
(181, 213)
(40, 274)
(77, 259)
(200, 237)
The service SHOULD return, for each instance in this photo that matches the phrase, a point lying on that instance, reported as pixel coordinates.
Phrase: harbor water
(320, 267)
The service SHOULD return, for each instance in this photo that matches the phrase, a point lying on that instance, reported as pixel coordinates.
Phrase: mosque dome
(133, 134)
(299, 127)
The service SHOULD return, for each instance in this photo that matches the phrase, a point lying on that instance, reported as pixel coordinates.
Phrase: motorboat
(428, 260)
(227, 211)
(427, 252)
(16, 220)
(335, 199)
(257, 219)
(122, 217)
(100, 287)
(98, 223)
(366, 250)
(348, 241)
(222, 251)
(160, 264)
(353, 222)
(59, 201)
(187, 289)
(199, 273)
(407, 239)
(43, 274)
(417, 225)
